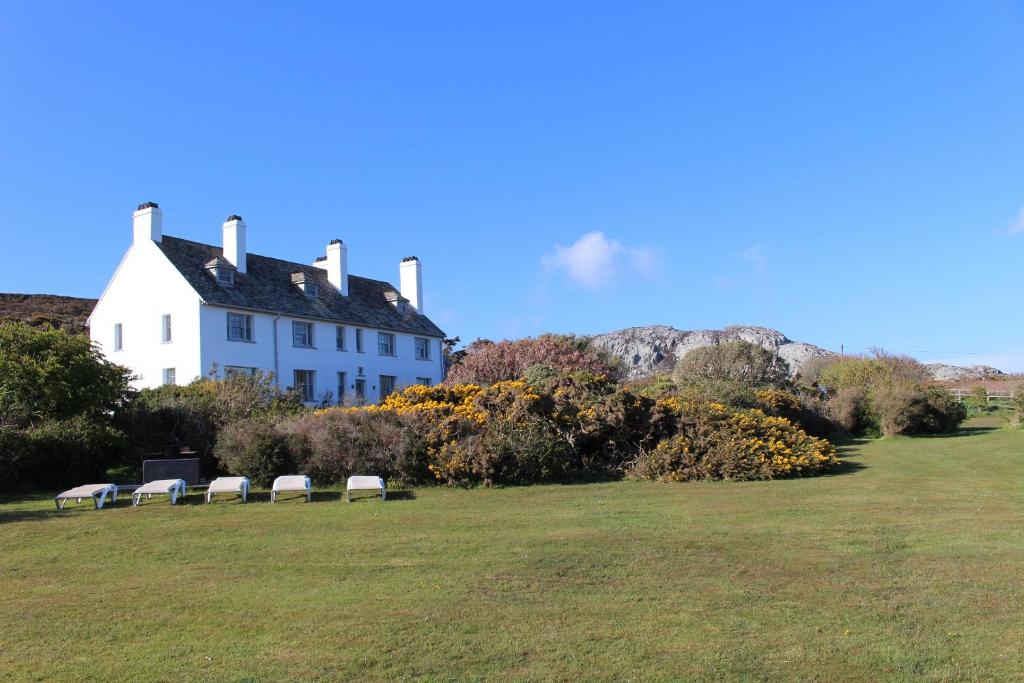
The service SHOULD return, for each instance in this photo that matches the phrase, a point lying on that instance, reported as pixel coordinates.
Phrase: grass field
(906, 565)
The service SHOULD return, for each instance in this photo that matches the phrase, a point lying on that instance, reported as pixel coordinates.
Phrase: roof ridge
(278, 260)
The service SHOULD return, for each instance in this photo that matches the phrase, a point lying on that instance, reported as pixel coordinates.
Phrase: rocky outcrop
(651, 350)
(654, 349)
(959, 373)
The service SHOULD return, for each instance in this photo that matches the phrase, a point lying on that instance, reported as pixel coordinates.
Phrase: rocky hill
(40, 310)
(960, 373)
(646, 351)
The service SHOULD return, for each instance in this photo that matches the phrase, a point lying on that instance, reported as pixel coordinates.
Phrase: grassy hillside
(39, 310)
(907, 565)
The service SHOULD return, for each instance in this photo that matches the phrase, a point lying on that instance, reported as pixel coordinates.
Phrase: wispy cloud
(1017, 226)
(754, 270)
(755, 258)
(595, 261)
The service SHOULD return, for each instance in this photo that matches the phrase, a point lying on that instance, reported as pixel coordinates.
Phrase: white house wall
(324, 359)
(145, 288)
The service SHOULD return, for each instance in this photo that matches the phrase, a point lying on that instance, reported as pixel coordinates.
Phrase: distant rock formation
(654, 349)
(959, 373)
(42, 310)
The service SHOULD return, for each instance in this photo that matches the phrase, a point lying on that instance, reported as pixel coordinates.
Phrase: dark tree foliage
(48, 374)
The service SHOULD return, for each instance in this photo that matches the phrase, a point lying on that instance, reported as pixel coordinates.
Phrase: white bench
(239, 485)
(98, 493)
(364, 483)
(174, 488)
(291, 482)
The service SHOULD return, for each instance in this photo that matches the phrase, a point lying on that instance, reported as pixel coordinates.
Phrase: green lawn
(907, 565)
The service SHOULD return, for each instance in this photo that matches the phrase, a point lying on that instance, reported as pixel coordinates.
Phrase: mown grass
(906, 565)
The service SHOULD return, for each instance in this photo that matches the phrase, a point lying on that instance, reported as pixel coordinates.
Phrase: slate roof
(267, 286)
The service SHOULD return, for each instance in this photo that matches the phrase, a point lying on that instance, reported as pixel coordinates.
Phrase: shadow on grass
(959, 434)
(844, 467)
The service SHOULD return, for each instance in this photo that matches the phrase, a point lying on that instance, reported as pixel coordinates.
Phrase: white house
(176, 309)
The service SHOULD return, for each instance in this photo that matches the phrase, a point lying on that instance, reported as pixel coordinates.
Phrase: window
(339, 336)
(166, 329)
(312, 290)
(360, 390)
(385, 344)
(118, 339)
(422, 348)
(168, 375)
(359, 340)
(304, 384)
(425, 381)
(225, 276)
(387, 385)
(302, 334)
(341, 387)
(232, 370)
(239, 327)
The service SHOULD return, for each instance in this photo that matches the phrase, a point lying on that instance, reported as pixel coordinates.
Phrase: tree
(738, 363)
(51, 374)
(487, 362)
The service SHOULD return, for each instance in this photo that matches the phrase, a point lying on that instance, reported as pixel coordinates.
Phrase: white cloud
(755, 258)
(594, 261)
(1017, 227)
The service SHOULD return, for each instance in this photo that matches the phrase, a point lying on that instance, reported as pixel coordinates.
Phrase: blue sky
(849, 173)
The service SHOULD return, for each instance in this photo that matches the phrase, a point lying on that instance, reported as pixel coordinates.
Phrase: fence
(961, 394)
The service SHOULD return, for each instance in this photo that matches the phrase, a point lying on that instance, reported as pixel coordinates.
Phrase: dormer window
(221, 270)
(396, 300)
(307, 284)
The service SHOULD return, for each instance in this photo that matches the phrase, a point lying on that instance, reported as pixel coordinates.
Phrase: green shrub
(172, 416)
(850, 409)
(255, 449)
(58, 454)
(737, 363)
(331, 445)
(715, 442)
(53, 375)
(889, 395)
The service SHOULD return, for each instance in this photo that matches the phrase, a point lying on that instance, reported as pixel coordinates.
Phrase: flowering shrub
(564, 426)
(487, 362)
(713, 441)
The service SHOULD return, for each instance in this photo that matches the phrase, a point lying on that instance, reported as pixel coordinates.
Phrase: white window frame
(308, 389)
(245, 328)
(425, 381)
(118, 336)
(297, 325)
(341, 338)
(426, 348)
(385, 340)
(169, 376)
(342, 385)
(225, 276)
(392, 380)
(359, 340)
(230, 370)
(165, 328)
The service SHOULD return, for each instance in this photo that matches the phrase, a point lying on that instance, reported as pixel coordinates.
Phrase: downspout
(277, 374)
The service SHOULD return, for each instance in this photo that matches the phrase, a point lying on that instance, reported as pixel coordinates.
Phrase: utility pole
(842, 351)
